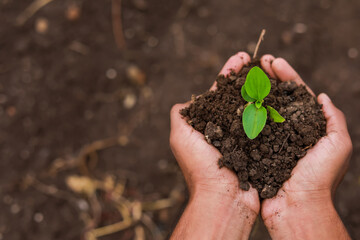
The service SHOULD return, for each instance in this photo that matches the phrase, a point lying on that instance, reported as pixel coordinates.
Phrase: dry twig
(158, 204)
(47, 189)
(307, 147)
(148, 222)
(88, 150)
(139, 233)
(283, 144)
(258, 43)
(30, 11)
(109, 229)
(117, 24)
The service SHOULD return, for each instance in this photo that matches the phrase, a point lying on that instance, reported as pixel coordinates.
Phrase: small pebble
(111, 73)
(83, 205)
(72, 12)
(123, 140)
(217, 144)
(268, 192)
(162, 164)
(287, 37)
(232, 77)
(239, 110)
(353, 53)
(300, 28)
(15, 208)
(244, 186)
(129, 101)
(11, 111)
(38, 217)
(136, 75)
(41, 25)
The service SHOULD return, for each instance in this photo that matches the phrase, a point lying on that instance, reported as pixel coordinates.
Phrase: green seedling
(257, 86)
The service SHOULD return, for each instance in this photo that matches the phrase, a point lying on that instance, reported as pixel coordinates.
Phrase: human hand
(211, 188)
(198, 159)
(306, 198)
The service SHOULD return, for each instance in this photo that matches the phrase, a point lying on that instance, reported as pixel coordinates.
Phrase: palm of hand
(321, 170)
(197, 158)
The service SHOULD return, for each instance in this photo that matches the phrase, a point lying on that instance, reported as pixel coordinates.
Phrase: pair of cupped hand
(315, 177)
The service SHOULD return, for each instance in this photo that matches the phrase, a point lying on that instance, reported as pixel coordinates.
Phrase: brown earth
(266, 161)
(59, 92)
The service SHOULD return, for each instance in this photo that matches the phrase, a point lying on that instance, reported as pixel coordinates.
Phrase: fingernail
(325, 97)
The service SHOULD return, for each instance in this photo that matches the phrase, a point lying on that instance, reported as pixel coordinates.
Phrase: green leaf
(254, 120)
(245, 95)
(258, 104)
(257, 84)
(275, 116)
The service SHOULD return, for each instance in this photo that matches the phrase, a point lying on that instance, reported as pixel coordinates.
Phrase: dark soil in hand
(267, 161)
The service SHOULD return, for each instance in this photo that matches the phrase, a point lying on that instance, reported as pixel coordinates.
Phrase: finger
(335, 119)
(179, 124)
(176, 118)
(184, 139)
(266, 61)
(284, 72)
(336, 129)
(234, 63)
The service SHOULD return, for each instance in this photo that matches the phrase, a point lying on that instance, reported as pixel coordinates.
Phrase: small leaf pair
(257, 86)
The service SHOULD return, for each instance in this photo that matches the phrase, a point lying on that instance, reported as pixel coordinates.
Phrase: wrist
(288, 202)
(229, 196)
(222, 216)
(306, 215)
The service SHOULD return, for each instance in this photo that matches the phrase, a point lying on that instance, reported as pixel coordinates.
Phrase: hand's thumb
(335, 119)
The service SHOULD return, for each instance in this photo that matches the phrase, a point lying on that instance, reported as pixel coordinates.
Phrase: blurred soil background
(85, 93)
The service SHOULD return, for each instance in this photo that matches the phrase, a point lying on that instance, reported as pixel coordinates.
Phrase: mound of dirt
(267, 161)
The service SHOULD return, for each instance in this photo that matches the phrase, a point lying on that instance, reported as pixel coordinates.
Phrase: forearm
(316, 219)
(210, 216)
